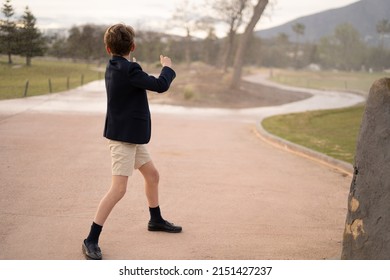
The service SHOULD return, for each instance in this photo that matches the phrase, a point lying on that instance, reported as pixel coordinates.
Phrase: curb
(274, 140)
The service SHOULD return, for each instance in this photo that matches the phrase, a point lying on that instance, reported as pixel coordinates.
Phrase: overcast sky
(152, 14)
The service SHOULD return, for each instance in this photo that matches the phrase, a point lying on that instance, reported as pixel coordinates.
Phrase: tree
(58, 47)
(91, 44)
(8, 31)
(187, 18)
(299, 30)
(273, 52)
(149, 46)
(378, 58)
(231, 13)
(383, 28)
(210, 47)
(244, 41)
(83, 42)
(343, 50)
(31, 40)
(73, 43)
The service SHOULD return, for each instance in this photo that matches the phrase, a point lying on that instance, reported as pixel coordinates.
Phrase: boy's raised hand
(165, 61)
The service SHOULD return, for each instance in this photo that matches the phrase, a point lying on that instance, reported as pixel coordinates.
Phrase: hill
(363, 15)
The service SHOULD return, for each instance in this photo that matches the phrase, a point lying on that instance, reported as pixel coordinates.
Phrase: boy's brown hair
(119, 38)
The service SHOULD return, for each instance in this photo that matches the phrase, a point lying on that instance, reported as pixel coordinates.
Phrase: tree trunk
(188, 49)
(228, 51)
(10, 58)
(296, 51)
(242, 48)
(28, 60)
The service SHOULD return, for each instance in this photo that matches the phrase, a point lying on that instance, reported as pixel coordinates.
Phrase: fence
(58, 84)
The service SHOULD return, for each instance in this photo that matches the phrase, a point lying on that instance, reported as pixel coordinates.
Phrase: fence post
(50, 88)
(26, 88)
(67, 82)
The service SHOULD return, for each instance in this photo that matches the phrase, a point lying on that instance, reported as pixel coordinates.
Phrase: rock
(367, 229)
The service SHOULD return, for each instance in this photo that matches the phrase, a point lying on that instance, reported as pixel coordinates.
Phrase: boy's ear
(132, 47)
(108, 50)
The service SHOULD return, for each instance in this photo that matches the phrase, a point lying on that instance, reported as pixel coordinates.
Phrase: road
(236, 196)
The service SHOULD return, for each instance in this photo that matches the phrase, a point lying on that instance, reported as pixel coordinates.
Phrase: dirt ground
(206, 86)
(235, 196)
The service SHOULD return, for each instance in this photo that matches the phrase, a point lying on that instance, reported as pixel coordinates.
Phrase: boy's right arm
(161, 84)
(165, 61)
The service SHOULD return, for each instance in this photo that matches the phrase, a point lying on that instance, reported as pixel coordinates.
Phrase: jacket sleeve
(141, 79)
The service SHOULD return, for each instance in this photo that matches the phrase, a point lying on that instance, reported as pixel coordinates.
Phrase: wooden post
(26, 88)
(50, 88)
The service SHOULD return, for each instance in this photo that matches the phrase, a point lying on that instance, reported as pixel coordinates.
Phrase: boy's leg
(156, 223)
(123, 157)
(112, 197)
(152, 177)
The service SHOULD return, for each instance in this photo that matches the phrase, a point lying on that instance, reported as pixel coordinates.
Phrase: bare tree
(186, 18)
(244, 41)
(231, 13)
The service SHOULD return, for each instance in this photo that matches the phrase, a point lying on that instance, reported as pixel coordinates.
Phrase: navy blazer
(128, 115)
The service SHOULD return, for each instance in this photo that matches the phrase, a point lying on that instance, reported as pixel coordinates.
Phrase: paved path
(235, 196)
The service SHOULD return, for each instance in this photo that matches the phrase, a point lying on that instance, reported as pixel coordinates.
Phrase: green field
(328, 80)
(62, 75)
(332, 132)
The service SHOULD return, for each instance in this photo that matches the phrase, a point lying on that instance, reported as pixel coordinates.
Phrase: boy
(128, 128)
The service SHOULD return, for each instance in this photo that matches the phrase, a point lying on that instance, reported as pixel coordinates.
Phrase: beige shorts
(126, 157)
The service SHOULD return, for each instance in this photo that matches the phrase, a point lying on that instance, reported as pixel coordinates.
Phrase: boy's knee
(150, 173)
(117, 193)
(154, 177)
(119, 187)
(121, 192)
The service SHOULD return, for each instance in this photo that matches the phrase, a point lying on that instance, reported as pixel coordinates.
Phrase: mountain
(363, 15)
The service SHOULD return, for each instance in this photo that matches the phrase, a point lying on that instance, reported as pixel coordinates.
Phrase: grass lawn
(328, 80)
(13, 77)
(332, 132)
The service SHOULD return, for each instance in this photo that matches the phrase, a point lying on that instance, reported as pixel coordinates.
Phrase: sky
(152, 14)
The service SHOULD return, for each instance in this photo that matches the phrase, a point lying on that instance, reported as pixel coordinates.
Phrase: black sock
(94, 234)
(155, 214)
